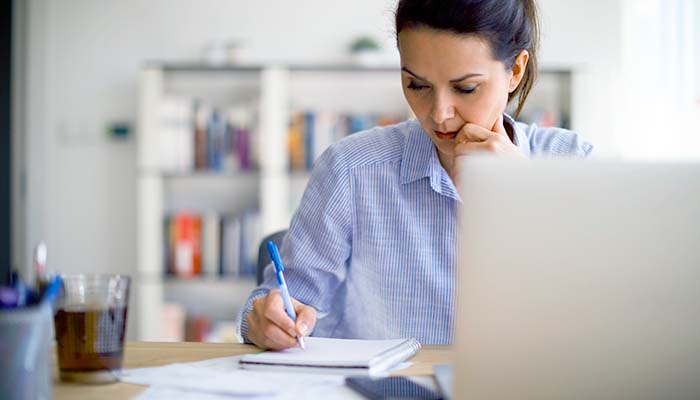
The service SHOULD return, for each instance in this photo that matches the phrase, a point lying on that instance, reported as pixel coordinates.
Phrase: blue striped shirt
(372, 245)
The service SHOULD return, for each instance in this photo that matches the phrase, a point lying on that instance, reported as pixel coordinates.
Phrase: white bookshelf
(276, 92)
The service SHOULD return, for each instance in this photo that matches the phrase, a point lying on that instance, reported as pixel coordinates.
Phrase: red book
(187, 245)
(197, 328)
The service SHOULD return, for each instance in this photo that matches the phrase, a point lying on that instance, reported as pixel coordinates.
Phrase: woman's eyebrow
(413, 73)
(461, 78)
(467, 76)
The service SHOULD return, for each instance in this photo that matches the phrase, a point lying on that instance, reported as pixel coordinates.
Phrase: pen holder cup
(25, 348)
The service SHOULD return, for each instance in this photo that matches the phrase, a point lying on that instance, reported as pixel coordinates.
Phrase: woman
(370, 253)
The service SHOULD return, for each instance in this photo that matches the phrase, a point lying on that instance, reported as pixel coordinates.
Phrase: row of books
(195, 136)
(211, 244)
(310, 133)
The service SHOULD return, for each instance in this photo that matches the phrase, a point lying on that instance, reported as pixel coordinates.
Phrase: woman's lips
(446, 135)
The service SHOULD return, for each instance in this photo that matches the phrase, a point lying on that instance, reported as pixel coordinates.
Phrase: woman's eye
(466, 90)
(415, 86)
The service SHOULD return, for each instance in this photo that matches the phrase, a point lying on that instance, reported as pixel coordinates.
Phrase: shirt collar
(419, 154)
(519, 136)
(420, 160)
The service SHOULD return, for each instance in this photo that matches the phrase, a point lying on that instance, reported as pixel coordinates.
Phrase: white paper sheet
(309, 393)
(312, 393)
(222, 377)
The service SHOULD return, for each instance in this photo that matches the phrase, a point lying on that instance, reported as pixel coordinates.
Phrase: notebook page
(327, 352)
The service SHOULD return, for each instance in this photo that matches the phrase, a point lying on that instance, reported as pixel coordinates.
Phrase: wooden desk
(149, 354)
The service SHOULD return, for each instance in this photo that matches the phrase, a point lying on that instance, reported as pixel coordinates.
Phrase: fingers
(306, 318)
(270, 327)
(497, 144)
(472, 133)
(462, 135)
(475, 133)
(268, 335)
(274, 311)
(466, 148)
(476, 139)
(498, 126)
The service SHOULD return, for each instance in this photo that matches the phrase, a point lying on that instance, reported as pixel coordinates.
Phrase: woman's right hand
(270, 327)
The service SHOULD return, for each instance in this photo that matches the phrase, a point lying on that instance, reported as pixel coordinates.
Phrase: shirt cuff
(242, 325)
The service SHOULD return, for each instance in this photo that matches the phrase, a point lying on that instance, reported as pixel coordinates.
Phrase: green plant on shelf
(364, 43)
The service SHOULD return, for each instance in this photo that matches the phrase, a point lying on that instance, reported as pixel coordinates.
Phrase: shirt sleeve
(557, 142)
(316, 248)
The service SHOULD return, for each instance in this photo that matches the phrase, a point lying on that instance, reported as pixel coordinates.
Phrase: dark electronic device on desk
(393, 387)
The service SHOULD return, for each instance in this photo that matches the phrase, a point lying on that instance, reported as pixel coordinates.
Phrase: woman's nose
(443, 109)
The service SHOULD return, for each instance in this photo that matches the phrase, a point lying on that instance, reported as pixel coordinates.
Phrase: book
(297, 130)
(230, 247)
(187, 251)
(175, 145)
(172, 322)
(211, 243)
(309, 125)
(216, 141)
(336, 356)
(201, 114)
(311, 132)
(250, 239)
(197, 328)
(239, 145)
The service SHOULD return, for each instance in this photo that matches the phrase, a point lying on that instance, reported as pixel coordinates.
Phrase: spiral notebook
(341, 356)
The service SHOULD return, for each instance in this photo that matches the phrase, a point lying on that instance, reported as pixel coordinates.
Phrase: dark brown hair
(509, 26)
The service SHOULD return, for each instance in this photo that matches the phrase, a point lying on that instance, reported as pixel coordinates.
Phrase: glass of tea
(90, 324)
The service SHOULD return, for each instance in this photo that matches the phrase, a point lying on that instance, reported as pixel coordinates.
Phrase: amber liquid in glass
(90, 339)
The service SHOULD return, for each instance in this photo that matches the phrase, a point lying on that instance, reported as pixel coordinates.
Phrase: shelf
(220, 90)
(362, 91)
(205, 174)
(221, 193)
(229, 281)
(197, 67)
(202, 67)
(219, 299)
(303, 174)
(554, 70)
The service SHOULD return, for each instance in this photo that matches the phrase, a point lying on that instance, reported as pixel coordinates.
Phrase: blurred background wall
(78, 65)
(82, 69)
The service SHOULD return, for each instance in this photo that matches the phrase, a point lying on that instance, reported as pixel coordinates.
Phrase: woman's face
(450, 80)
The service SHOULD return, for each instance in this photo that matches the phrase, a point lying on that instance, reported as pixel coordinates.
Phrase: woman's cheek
(482, 112)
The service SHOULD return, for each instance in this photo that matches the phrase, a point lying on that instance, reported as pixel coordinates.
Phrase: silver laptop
(578, 280)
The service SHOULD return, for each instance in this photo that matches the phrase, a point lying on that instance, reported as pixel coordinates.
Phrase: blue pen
(26, 296)
(275, 256)
(52, 290)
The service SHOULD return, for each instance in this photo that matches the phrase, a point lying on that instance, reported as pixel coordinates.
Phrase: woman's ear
(518, 72)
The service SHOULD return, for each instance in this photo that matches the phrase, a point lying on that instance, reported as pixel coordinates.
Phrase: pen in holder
(26, 334)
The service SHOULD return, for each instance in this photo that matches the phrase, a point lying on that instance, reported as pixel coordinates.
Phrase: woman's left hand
(474, 139)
